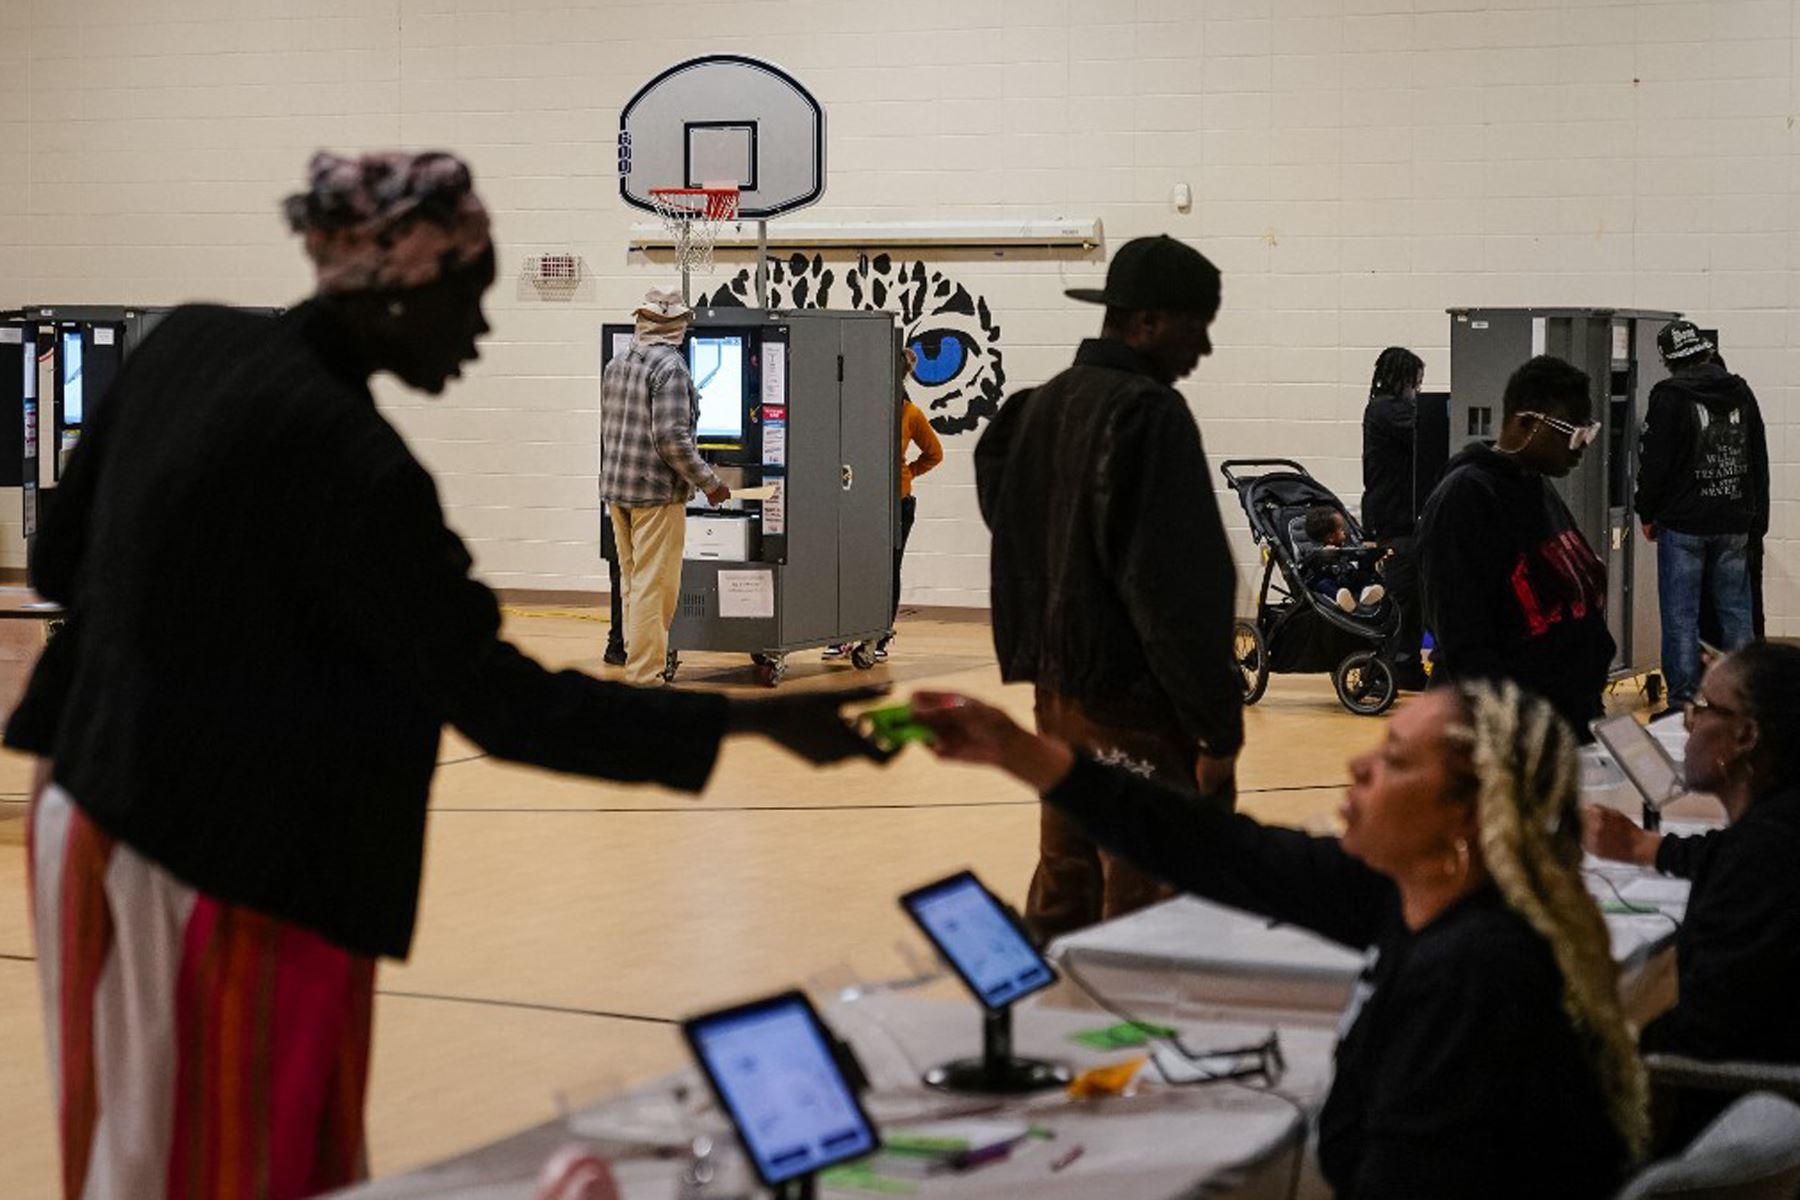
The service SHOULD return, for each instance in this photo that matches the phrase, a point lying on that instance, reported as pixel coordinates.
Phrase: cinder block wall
(1356, 167)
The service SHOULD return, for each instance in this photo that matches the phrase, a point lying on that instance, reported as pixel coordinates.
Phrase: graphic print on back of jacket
(1722, 458)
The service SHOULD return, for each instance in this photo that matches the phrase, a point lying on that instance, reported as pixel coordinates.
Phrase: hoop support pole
(762, 265)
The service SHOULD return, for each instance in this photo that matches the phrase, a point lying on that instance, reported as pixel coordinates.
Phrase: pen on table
(1067, 1157)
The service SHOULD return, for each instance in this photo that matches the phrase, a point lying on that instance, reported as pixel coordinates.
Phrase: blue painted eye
(942, 354)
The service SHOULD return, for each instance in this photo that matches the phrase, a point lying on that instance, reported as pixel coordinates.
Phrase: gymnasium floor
(566, 923)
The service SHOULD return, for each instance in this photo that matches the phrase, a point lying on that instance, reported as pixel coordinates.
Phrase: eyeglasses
(1263, 1061)
(1579, 435)
(1700, 704)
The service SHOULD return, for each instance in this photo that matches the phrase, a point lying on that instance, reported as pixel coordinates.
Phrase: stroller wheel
(1250, 654)
(1365, 683)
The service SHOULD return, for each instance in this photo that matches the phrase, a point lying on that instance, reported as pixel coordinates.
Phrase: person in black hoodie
(1485, 1055)
(1512, 590)
(1702, 495)
(1112, 582)
(1738, 949)
(1390, 508)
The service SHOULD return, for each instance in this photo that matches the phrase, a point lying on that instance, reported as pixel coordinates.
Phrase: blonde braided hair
(1526, 782)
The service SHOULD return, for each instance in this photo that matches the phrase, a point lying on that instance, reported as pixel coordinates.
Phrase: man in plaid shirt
(649, 470)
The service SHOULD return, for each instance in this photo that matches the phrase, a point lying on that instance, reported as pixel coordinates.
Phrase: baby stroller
(1297, 631)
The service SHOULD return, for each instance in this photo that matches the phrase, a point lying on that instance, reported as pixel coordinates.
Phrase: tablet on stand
(1646, 762)
(986, 947)
(783, 1079)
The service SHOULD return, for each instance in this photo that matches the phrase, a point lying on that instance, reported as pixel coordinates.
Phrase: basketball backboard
(724, 119)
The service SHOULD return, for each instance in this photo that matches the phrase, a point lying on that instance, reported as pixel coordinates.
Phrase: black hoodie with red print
(1511, 588)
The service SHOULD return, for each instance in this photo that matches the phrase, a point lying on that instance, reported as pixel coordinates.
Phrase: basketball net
(693, 217)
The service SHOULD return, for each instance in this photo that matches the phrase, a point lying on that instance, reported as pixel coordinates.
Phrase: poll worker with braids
(1393, 500)
(1738, 949)
(1485, 1054)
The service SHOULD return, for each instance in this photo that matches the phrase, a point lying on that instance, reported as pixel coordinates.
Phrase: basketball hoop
(693, 216)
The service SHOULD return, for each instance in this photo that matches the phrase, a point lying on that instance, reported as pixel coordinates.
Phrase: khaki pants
(1077, 884)
(650, 542)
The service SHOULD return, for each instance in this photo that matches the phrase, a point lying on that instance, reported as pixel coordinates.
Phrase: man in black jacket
(1512, 590)
(1390, 505)
(1702, 494)
(1113, 585)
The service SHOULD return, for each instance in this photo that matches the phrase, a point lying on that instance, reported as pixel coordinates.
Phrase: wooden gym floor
(566, 923)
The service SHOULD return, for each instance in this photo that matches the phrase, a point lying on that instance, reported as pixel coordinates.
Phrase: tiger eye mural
(960, 376)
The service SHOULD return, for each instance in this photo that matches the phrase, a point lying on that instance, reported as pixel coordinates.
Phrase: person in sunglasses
(1702, 495)
(1738, 949)
(1511, 588)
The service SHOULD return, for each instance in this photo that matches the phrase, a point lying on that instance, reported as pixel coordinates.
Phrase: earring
(396, 308)
(1458, 863)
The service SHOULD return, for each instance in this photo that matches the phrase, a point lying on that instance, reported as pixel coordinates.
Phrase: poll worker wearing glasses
(1738, 949)
(1484, 1053)
(1511, 588)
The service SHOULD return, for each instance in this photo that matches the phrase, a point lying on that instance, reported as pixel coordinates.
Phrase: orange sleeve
(919, 432)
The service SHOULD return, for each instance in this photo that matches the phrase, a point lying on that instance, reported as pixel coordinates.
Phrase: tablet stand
(1652, 817)
(997, 1071)
(804, 1187)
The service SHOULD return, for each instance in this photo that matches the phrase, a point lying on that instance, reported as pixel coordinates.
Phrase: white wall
(1357, 165)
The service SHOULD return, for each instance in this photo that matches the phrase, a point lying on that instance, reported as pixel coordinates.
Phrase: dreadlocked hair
(1395, 370)
(1526, 780)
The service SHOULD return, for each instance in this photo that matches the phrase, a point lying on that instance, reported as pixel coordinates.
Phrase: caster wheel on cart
(1251, 655)
(770, 668)
(671, 664)
(1365, 684)
(862, 655)
(1653, 688)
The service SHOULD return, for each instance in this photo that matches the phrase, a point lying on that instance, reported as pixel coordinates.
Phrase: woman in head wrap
(269, 626)
(1485, 1055)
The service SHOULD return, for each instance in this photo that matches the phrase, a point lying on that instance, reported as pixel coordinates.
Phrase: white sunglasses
(1579, 435)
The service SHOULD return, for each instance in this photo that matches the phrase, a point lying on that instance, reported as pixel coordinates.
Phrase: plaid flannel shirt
(648, 409)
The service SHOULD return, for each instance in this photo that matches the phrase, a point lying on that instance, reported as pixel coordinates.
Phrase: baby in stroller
(1345, 575)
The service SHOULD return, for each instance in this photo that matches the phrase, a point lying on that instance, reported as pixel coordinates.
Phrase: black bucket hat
(1157, 273)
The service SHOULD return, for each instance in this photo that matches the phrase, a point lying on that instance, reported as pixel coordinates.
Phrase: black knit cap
(1156, 273)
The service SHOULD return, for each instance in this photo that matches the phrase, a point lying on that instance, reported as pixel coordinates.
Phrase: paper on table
(1656, 890)
(955, 1135)
(765, 492)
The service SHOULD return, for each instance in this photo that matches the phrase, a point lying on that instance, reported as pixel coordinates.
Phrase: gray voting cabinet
(1617, 349)
(803, 401)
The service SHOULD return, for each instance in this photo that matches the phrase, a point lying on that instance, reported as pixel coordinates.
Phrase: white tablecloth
(1216, 1140)
(1189, 957)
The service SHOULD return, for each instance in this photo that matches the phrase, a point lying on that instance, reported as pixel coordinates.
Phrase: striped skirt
(198, 1050)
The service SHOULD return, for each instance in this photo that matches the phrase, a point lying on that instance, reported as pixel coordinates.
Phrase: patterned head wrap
(387, 219)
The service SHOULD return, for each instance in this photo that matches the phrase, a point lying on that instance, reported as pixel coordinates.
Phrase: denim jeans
(1688, 565)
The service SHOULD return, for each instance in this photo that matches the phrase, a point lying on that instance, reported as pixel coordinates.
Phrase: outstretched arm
(1185, 839)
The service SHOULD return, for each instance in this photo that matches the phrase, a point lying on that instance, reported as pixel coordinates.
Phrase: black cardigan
(1460, 1074)
(1738, 949)
(271, 623)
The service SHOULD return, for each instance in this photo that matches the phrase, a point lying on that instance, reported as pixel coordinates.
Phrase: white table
(1220, 1140)
(1190, 958)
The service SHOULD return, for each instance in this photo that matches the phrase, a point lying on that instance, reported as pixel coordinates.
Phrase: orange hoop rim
(704, 203)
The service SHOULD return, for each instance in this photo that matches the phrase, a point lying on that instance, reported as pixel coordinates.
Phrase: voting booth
(800, 412)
